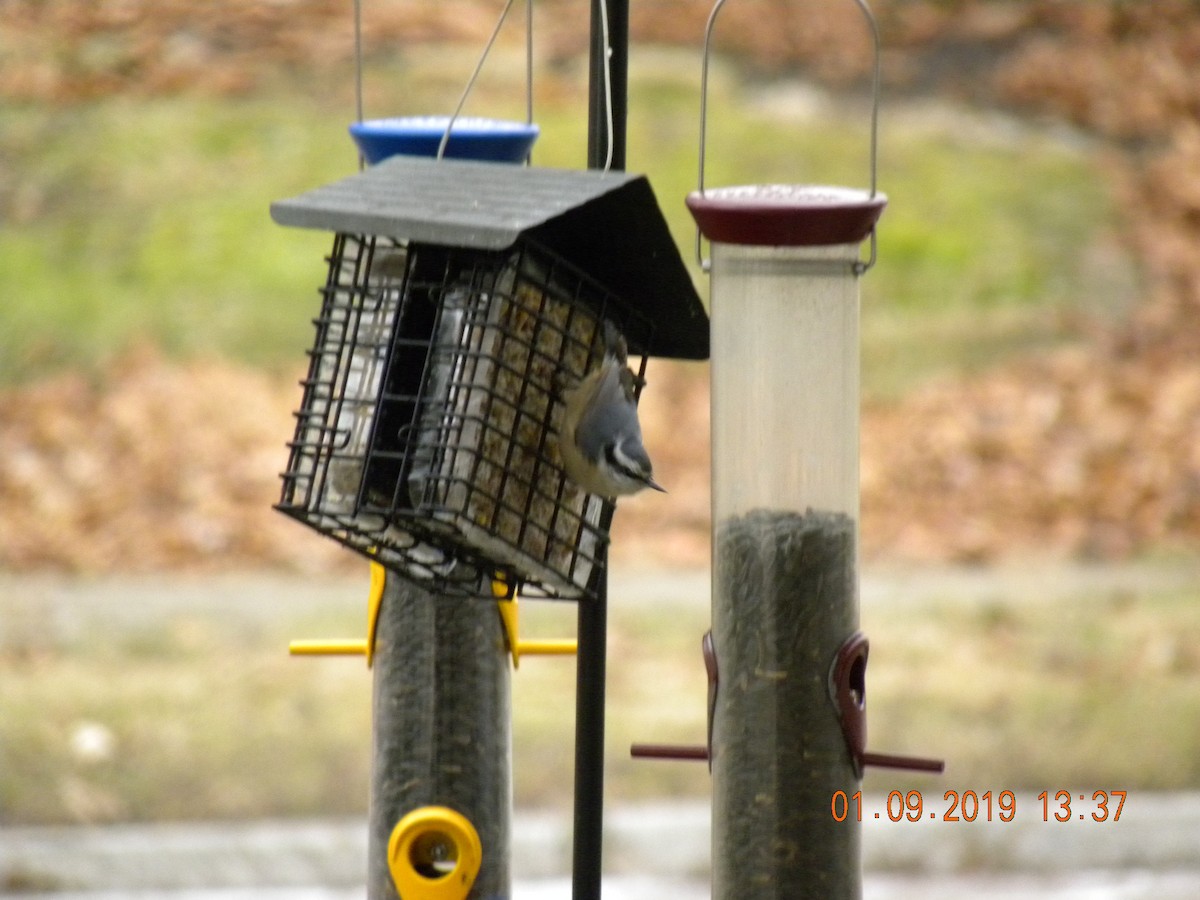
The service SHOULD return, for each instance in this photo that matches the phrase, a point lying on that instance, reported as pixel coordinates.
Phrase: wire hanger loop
(873, 26)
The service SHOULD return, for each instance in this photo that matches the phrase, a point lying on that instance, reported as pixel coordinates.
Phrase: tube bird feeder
(785, 513)
(785, 480)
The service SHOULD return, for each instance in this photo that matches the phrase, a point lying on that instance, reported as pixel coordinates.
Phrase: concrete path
(66, 605)
(659, 851)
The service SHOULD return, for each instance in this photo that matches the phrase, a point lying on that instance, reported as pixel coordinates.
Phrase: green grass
(210, 718)
(147, 221)
(130, 221)
(1101, 691)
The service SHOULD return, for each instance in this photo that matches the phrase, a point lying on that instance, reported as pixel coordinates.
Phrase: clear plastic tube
(785, 379)
(785, 394)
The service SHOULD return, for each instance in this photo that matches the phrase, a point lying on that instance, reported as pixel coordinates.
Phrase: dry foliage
(1092, 451)
(155, 466)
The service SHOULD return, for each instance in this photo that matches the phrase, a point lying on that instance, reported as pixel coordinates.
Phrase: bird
(601, 438)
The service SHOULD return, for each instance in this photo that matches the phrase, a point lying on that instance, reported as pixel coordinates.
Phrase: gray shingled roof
(607, 224)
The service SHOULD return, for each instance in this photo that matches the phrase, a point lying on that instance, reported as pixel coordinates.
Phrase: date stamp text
(981, 806)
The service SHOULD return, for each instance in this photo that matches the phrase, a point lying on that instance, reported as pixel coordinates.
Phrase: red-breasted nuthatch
(601, 439)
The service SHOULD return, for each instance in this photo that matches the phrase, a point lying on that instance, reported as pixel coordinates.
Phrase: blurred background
(1031, 359)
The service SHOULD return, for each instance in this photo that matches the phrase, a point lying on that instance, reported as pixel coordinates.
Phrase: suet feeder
(461, 298)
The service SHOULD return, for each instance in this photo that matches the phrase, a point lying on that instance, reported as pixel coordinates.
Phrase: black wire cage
(427, 437)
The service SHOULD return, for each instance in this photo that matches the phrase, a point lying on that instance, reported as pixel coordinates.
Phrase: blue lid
(491, 140)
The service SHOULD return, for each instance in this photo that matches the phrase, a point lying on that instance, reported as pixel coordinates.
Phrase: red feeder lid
(786, 215)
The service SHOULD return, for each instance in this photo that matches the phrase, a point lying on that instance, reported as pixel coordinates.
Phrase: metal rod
(862, 267)
(529, 61)
(358, 73)
(607, 111)
(708, 32)
(441, 150)
(669, 751)
(591, 661)
(909, 763)
(874, 27)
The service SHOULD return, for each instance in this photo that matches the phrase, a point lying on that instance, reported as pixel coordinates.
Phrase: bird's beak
(650, 482)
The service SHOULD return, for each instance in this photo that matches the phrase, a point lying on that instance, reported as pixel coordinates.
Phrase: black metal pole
(591, 662)
(614, 83)
(607, 110)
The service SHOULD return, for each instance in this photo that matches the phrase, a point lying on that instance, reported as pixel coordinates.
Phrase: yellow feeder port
(350, 646)
(434, 853)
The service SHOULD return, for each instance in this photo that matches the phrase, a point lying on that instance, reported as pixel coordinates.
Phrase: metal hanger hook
(875, 89)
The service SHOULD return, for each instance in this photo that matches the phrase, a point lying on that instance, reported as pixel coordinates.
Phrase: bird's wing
(609, 411)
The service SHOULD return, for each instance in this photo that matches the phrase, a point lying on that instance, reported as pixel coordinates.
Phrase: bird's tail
(614, 343)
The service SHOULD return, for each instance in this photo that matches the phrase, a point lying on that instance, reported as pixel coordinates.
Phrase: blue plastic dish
(492, 140)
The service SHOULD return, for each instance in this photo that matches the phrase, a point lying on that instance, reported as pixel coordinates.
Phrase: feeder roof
(606, 223)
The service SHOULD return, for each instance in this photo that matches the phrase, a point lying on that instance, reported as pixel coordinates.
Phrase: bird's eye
(620, 463)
